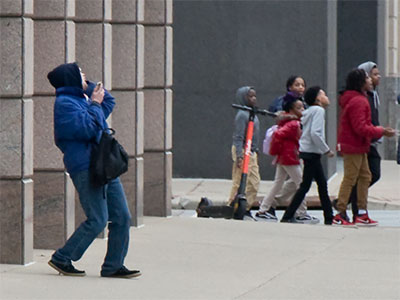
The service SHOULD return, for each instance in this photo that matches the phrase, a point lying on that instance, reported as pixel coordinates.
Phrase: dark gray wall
(222, 45)
(357, 35)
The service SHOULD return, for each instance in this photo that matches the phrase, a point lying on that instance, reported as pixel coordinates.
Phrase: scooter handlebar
(256, 110)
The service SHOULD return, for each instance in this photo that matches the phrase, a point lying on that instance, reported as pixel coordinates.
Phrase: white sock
(362, 211)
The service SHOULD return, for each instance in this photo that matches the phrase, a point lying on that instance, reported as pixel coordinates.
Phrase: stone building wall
(127, 44)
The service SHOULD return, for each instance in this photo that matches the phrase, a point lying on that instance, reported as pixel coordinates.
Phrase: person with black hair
(285, 145)
(295, 84)
(374, 159)
(354, 140)
(80, 112)
(312, 147)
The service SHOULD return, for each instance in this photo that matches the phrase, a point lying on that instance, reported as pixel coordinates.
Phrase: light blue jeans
(100, 204)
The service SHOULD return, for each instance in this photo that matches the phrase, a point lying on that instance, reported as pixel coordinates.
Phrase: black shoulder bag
(108, 159)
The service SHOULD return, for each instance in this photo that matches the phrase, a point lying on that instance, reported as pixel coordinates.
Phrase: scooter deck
(219, 211)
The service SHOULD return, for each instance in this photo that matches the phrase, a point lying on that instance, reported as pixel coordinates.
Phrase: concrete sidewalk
(194, 258)
(385, 194)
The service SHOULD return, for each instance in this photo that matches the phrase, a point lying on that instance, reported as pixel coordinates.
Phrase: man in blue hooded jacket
(80, 113)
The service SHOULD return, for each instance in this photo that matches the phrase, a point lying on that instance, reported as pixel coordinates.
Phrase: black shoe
(271, 211)
(68, 270)
(123, 273)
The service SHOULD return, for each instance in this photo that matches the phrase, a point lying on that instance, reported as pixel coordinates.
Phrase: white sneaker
(266, 216)
(306, 219)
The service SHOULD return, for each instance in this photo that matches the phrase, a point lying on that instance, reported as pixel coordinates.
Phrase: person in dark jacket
(295, 84)
(374, 159)
(80, 113)
(354, 140)
(245, 95)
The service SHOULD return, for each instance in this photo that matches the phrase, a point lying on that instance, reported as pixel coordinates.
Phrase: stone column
(158, 108)
(331, 82)
(16, 132)
(127, 84)
(54, 194)
(389, 64)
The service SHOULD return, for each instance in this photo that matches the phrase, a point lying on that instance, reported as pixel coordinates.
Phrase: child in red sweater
(354, 139)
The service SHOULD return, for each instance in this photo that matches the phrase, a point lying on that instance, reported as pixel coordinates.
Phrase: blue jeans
(100, 204)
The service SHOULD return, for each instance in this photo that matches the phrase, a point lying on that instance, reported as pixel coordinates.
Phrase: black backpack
(108, 159)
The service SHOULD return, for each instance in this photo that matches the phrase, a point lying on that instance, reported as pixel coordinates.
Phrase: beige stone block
(168, 56)
(138, 220)
(27, 136)
(11, 229)
(16, 221)
(107, 63)
(27, 220)
(89, 49)
(70, 8)
(124, 120)
(124, 11)
(49, 50)
(169, 12)
(168, 119)
(154, 184)
(11, 138)
(70, 42)
(11, 57)
(46, 154)
(89, 10)
(139, 56)
(139, 123)
(108, 10)
(392, 63)
(49, 210)
(129, 182)
(49, 9)
(154, 120)
(28, 7)
(154, 12)
(168, 183)
(28, 57)
(393, 34)
(124, 56)
(140, 11)
(69, 205)
(10, 8)
(154, 57)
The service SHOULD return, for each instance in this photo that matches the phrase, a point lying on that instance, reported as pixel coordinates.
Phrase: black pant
(374, 163)
(312, 170)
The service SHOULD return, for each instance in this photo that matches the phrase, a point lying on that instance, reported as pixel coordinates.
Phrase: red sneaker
(339, 219)
(364, 220)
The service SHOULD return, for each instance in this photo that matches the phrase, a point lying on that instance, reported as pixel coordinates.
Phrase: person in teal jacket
(80, 113)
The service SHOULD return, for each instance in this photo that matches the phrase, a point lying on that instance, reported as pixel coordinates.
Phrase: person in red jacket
(285, 145)
(354, 139)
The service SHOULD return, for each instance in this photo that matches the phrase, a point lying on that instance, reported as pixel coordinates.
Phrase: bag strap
(105, 129)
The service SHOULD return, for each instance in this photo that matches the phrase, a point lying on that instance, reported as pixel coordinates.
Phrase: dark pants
(100, 206)
(374, 163)
(312, 170)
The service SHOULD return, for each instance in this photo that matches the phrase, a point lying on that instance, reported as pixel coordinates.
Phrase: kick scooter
(237, 208)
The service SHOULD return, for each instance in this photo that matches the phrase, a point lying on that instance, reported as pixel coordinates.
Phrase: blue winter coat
(75, 128)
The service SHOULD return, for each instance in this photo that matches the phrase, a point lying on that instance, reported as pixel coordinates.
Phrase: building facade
(127, 44)
(228, 44)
